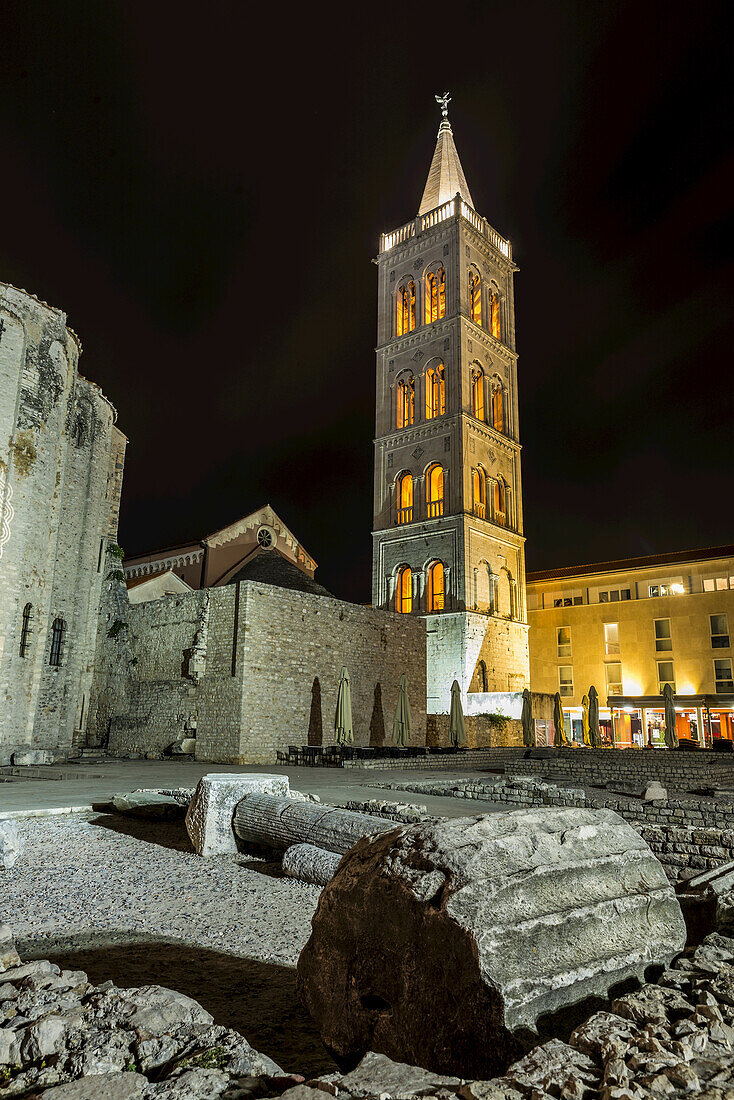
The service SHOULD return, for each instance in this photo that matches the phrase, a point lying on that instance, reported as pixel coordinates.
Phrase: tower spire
(445, 176)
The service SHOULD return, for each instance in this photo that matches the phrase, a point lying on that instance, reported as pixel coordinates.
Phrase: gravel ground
(128, 900)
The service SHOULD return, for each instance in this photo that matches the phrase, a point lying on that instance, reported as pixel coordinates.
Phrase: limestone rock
(26, 757)
(209, 816)
(188, 746)
(10, 843)
(310, 864)
(8, 954)
(655, 791)
(552, 1068)
(110, 1086)
(441, 945)
(148, 804)
(377, 1075)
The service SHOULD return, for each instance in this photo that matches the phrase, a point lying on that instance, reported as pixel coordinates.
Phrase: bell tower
(448, 529)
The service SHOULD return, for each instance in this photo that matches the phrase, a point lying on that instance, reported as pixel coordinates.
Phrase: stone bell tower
(448, 526)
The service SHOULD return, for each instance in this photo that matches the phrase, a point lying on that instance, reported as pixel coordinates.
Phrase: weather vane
(443, 101)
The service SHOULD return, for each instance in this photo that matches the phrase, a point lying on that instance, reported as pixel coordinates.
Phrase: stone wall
(61, 463)
(677, 768)
(482, 731)
(250, 669)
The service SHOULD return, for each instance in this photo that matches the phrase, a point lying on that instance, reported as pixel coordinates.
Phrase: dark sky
(202, 187)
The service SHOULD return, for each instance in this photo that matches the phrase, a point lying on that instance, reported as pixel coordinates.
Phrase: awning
(656, 702)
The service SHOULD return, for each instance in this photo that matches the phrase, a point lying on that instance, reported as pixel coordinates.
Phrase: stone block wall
(482, 731)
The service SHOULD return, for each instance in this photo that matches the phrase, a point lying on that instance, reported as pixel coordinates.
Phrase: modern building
(629, 628)
(61, 465)
(448, 527)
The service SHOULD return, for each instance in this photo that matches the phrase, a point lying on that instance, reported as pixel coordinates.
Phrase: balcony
(500, 518)
(480, 510)
(454, 207)
(405, 515)
(435, 508)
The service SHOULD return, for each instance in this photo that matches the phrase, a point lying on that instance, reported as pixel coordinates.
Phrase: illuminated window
(565, 680)
(715, 584)
(477, 393)
(404, 591)
(57, 642)
(723, 675)
(475, 297)
(406, 402)
(435, 391)
(435, 587)
(434, 491)
(611, 639)
(405, 499)
(615, 595)
(663, 640)
(666, 675)
(435, 295)
(499, 503)
(479, 493)
(498, 412)
(494, 315)
(613, 673)
(25, 631)
(563, 641)
(406, 307)
(719, 631)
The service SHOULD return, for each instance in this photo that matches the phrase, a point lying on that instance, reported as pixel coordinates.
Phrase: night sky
(202, 188)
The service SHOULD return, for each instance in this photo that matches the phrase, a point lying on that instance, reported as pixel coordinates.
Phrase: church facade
(448, 523)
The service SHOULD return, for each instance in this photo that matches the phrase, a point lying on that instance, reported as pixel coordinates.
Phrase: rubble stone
(10, 844)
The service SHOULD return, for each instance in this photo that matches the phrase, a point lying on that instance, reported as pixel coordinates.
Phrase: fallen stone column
(281, 822)
(310, 864)
(443, 945)
(209, 816)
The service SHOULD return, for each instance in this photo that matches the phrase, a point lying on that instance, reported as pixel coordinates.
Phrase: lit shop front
(639, 721)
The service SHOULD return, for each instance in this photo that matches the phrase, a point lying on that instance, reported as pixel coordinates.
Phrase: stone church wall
(58, 507)
(250, 669)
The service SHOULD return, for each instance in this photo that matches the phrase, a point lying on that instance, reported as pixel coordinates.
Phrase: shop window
(406, 402)
(475, 297)
(435, 295)
(565, 680)
(611, 639)
(498, 412)
(663, 640)
(436, 587)
(404, 591)
(406, 307)
(666, 675)
(25, 630)
(563, 641)
(434, 491)
(405, 499)
(479, 493)
(494, 315)
(613, 674)
(723, 675)
(715, 584)
(477, 394)
(435, 391)
(719, 632)
(58, 631)
(499, 503)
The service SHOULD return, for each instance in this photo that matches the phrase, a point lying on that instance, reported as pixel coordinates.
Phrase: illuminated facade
(448, 526)
(629, 627)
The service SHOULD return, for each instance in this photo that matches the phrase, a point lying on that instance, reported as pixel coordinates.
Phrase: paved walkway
(84, 784)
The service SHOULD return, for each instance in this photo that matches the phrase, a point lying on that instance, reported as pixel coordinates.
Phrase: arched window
(406, 307)
(57, 641)
(434, 491)
(25, 630)
(499, 503)
(405, 499)
(436, 586)
(475, 297)
(483, 678)
(477, 393)
(435, 295)
(406, 401)
(435, 391)
(404, 591)
(494, 315)
(479, 493)
(498, 411)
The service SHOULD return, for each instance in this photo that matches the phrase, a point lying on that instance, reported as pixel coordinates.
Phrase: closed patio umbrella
(559, 737)
(585, 719)
(343, 727)
(527, 719)
(671, 737)
(457, 726)
(401, 723)
(594, 731)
